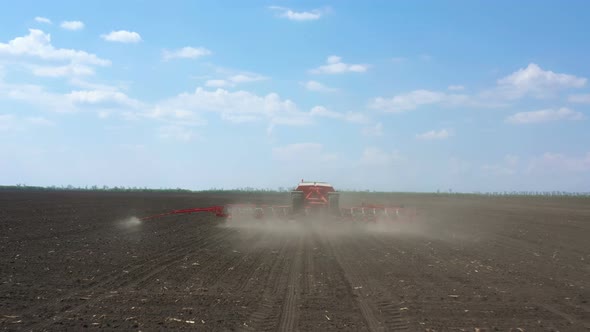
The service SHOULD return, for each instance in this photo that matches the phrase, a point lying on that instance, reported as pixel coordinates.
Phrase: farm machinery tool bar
(373, 212)
(233, 211)
(228, 211)
(218, 210)
(365, 212)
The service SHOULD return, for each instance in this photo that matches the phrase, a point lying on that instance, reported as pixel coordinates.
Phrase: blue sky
(383, 95)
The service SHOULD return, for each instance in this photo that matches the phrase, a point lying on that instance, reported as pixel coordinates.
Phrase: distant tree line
(535, 193)
(92, 188)
(105, 188)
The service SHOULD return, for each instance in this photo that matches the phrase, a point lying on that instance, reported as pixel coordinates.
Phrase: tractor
(315, 198)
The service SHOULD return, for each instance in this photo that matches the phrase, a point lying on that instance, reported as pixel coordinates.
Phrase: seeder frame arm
(217, 210)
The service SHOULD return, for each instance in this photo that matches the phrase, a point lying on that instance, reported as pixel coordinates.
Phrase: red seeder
(307, 200)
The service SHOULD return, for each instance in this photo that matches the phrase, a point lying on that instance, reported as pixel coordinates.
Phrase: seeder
(308, 201)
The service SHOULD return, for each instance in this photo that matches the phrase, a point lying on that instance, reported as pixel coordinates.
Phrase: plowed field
(71, 261)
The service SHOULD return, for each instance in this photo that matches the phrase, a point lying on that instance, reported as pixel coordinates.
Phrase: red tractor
(315, 197)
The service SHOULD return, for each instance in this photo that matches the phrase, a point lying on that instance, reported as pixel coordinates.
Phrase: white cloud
(318, 87)
(291, 119)
(43, 20)
(531, 81)
(122, 36)
(351, 117)
(176, 116)
(177, 133)
(185, 53)
(184, 109)
(242, 106)
(72, 25)
(302, 152)
(324, 112)
(292, 15)
(334, 65)
(239, 118)
(398, 59)
(234, 80)
(558, 162)
(547, 115)
(74, 101)
(71, 69)
(97, 97)
(239, 105)
(456, 88)
(76, 81)
(408, 101)
(375, 131)
(579, 98)
(37, 96)
(435, 135)
(536, 82)
(38, 44)
(246, 78)
(217, 83)
(373, 156)
(417, 98)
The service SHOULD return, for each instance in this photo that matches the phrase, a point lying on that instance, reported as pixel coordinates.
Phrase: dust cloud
(325, 227)
(131, 223)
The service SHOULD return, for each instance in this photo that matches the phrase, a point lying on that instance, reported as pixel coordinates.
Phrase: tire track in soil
(135, 276)
(331, 304)
(353, 278)
(266, 317)
(381, 313)
(310, 284)
(262, 319)
(289, 311)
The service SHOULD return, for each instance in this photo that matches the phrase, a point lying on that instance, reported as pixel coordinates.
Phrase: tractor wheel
(297, 201)
(334, 203)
